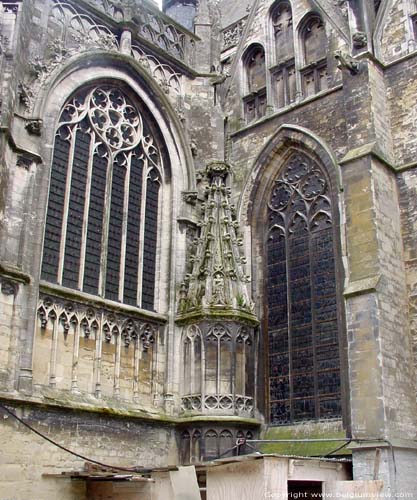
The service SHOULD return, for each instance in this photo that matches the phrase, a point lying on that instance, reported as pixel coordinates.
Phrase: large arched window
(283, 74)
(302, 305)
(314, 43)
(104, 197)
(255, 70)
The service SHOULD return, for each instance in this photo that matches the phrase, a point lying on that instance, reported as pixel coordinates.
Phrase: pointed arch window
(314, 42)
(302, 299)
(104, 198)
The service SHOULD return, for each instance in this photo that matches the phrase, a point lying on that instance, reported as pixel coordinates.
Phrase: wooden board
(184, 484)
(364, 490)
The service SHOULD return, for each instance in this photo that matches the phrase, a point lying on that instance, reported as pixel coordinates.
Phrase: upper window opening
(314, 40)
(104, 198)
(255, 102)
(282, 23)
(315, 75)
(414, 21)
(256, 69)
(283, 74)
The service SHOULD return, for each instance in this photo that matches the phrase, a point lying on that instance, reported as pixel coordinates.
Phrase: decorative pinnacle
(217, 283)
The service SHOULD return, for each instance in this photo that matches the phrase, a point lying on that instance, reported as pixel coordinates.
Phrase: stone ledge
(14, 274)
(370, 149)
(75, 295)
(382, 443)
(87, 403)
(362, 287)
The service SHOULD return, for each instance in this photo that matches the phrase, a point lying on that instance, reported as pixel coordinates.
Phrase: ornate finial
(217, 168)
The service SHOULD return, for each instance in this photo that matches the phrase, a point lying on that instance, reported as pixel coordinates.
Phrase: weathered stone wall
(25, 458)
(359, 128)
(408, 204)
(401, 81)
(394, 34)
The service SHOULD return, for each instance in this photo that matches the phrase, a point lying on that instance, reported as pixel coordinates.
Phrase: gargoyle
(346, 61)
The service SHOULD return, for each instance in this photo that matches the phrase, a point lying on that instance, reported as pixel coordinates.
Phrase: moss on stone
(305, 431)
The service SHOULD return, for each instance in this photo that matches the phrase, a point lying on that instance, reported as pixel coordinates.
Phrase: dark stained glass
(114, 244)
(133, 228)
(76, 207)
(55, 207)
(95, 222)
(149, 257)
(304, 366)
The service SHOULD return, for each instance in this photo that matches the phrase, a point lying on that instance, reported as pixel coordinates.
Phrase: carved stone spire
(217, 285)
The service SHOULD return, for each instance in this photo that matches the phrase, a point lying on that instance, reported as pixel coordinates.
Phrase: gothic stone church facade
(208, 226)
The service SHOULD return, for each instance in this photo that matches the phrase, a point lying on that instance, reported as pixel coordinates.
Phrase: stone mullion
(145, 174)
(98, 356)
(124, 229)
(218, 366)
(289, 314)
(106, 226)
(66, 206)
(54, 350)
(233, 371)
(155, 356)
(86, 212)
(136, 370)
(161, 195)
(313, 314)
(192, 365)
(202, 368)
(118, 341)
(75, 356)
(255, 350)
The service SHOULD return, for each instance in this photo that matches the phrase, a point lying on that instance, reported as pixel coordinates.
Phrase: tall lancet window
(302, 305)
(104, 197)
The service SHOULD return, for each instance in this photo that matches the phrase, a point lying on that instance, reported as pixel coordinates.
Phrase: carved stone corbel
(34, 126)
(25, 95)
(360, 40)
(190, 197)
(8, 287)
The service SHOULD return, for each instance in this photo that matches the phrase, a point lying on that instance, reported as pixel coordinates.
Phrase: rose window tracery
(104, 198)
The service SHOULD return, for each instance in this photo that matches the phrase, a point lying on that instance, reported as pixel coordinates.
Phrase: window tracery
(104, 199)
(304, 367)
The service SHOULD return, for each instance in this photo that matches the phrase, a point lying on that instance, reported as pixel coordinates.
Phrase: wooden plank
(184, 483)
(315, 470)
(250, 480)
(364, 490)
